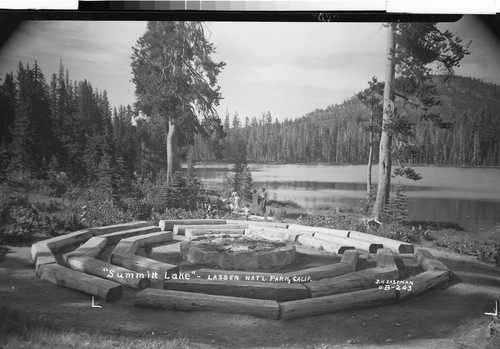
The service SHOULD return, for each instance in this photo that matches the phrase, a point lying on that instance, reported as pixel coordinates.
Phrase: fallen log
(181, 229)
(92, 266)
(428, 262)
(153, 269)
(347, 265)
(351, 282)
(394, 245)
(422, 282)
(89, 284)
(362, 245)
(91, 248)
(118, 227)
(242, 275)
(168, 225)
(190, 233)
(115, 237)
(329, 246)
(277, 291)
(187, 301)
(336, 303)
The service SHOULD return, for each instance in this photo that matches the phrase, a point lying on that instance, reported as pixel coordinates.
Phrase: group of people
(258, 207)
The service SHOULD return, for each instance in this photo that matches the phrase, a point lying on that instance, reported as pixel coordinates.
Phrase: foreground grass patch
(21, 330)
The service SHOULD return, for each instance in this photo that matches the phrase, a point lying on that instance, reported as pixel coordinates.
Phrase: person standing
(263, 202)
(255, 202)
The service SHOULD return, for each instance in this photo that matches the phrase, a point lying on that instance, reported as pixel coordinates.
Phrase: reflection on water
(466, 196)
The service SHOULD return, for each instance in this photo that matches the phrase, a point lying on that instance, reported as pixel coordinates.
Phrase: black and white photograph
(329, 182)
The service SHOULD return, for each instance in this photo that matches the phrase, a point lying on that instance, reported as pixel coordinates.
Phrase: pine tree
(176, 80)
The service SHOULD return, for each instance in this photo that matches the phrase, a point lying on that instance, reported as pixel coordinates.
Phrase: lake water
(467, 196)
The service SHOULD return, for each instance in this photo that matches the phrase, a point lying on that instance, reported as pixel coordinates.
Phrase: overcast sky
(288, 69)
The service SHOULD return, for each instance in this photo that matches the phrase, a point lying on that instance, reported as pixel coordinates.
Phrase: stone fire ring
(193, 252)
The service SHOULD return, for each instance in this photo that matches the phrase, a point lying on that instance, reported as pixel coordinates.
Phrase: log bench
(347, 265)
(145, 265)
(118, 227)
(193, 232)
(115, 237)
(328, 246)
(252, 276)
(187, 301)
(394, 245)
(278, 291)
(336, 303)
(91, 248)
(362, 245)
(180, 229)
(92, 266)
(428, 262)
(89, 284)
(423, 282)
(168, 225)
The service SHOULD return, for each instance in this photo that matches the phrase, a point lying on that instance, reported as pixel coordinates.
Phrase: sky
(288, 69)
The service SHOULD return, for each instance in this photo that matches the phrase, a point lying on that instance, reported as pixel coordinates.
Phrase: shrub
(333, 221)
(283, 203)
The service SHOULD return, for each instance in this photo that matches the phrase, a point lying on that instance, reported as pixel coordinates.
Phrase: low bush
(333, 221)
(283, 203)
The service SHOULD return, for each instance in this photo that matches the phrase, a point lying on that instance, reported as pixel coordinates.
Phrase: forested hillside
(69, 126)
(337, 134)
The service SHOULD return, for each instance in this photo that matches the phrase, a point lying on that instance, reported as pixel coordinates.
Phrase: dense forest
(338, 134)
(60, 125)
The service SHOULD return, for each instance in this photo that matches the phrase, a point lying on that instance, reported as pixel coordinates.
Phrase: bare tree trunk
(173, 163)
(370, 161)
(384, 172)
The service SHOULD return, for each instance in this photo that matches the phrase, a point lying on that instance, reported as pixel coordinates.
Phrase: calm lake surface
(467, 196)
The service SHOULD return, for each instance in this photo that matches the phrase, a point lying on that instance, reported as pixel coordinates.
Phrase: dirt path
(448, 317)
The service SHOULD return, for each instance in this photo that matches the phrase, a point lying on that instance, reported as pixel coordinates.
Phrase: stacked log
(347, 265)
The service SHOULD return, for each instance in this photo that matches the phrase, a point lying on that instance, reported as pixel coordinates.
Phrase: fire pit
(237, 252)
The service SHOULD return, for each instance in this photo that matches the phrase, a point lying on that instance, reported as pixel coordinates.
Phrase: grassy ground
(20, 330)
